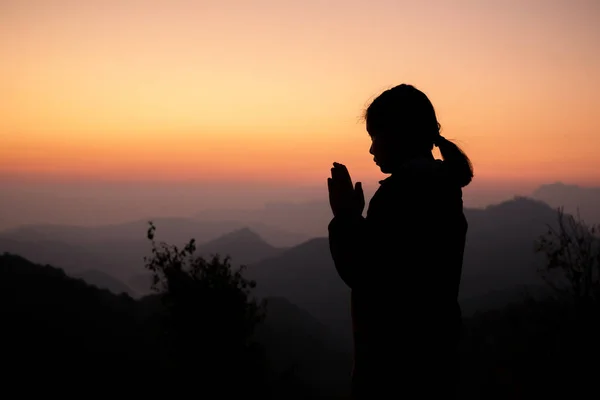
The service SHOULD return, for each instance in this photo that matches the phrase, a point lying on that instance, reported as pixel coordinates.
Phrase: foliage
(573, 248)
(210, 316)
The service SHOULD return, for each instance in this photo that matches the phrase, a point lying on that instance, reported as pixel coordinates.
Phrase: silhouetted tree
(573, 248)
(210, 317)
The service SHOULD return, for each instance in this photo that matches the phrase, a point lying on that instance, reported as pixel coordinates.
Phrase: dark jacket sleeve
(348, 246)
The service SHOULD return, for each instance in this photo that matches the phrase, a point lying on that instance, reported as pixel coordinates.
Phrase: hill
(173, 230)
(244, 246)
(60, 327)
(306, 276)
(574, 198)
(104, 281)
(119, 251)
(302, 347)
(500, 249)
(40, 249)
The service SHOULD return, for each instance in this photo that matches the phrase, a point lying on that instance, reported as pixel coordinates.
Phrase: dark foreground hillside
(530, 350)
(65, 333)
(62, 336)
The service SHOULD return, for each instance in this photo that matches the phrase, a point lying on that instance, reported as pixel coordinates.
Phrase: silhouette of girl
(403, 261)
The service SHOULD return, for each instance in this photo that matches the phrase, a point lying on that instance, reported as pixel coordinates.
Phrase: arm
(348, 246)
(347, 229)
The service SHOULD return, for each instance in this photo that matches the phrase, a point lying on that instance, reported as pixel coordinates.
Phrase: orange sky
(273, 90)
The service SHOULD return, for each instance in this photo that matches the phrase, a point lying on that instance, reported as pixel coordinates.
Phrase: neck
(415, 158)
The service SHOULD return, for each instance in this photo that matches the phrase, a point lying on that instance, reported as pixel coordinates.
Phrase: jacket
(403, 263)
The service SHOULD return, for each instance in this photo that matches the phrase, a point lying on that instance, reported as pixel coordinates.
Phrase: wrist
(347, 214)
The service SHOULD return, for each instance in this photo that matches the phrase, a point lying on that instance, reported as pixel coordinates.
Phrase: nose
(371, 149)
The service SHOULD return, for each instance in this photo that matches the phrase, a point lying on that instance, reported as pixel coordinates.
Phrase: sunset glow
(273, 90)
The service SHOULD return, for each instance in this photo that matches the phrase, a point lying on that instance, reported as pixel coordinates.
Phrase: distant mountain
(119, 250)
(500, 250)
(243, 246)
(572, 198)
(278, 237)
(141, 283)
(119, 259)
(305, 275)
(44, 251)
(103, 280)
(172, 230)
(308, 218)
(499, 255)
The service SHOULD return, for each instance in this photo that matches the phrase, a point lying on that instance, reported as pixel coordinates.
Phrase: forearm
(348, 246)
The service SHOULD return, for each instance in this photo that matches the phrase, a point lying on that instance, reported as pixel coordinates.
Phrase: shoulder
(422, 184)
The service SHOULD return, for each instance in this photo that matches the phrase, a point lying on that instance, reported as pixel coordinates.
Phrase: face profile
(382, 156)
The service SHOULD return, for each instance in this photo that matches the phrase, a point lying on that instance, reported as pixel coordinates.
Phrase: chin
(384, 169)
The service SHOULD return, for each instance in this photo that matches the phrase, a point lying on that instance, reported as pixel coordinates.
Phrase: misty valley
(81, 297)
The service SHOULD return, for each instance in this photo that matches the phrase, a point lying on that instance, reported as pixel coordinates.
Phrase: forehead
(376, 132)
(371, 130)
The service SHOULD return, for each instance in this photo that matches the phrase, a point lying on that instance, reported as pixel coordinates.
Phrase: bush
(209, 319)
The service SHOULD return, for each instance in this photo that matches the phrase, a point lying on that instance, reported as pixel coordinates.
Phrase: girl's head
(402, 124)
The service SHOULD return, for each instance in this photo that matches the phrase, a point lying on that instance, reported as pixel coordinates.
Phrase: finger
(335, 175)
(344, 173)
(341, 173)
(339, 167)
(333, 185)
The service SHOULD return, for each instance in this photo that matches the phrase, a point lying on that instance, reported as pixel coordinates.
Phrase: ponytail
(460, 166)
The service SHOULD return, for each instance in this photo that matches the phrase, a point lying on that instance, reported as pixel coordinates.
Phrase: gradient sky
(273, 91)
